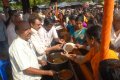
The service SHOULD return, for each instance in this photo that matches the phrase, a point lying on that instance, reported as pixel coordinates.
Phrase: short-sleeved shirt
(95, 60)
(22, 56)
(47, 36)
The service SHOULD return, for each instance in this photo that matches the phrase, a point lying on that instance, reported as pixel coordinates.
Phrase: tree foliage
(18, 5)
(1, 8)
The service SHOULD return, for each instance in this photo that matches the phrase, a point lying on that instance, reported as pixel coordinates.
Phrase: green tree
(38, 2)
(16, 5)
(1, 6)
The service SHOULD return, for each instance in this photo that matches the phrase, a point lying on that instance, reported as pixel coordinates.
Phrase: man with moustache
(38, 38)
(23, 59)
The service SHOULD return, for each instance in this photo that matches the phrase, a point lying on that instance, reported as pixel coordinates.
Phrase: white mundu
(22, 56)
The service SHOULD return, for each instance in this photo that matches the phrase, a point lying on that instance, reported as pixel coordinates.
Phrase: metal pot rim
(58, 63)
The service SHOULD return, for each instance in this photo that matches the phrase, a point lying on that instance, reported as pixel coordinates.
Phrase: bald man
(23, 58)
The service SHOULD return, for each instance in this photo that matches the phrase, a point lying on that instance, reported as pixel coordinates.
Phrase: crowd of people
(27, 38)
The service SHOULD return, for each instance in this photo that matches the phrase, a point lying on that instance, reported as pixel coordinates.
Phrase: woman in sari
(93, 37)
(79, 34)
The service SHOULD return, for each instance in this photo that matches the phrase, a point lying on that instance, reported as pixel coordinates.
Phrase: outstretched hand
(69, 56)
(62, 41)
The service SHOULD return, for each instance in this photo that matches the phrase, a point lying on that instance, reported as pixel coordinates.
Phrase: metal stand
(74, 73)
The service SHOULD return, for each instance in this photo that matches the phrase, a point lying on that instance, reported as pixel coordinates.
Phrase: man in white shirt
(48, 33)
(115, 33)
(23, 58)
(39, 42)
(48, 36)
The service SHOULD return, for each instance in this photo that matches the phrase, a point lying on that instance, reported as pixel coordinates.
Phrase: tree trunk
(25, 5)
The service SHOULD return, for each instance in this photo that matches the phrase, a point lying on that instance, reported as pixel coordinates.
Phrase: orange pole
(106, 26)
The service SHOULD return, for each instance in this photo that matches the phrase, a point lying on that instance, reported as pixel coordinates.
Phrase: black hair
(109, 69)
(72, 17)
(48, 21)
(80, 17)
(94, 32)
(11, 13)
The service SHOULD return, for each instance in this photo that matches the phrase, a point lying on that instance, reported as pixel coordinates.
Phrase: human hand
(74, 57)
(42, 62)
(58, 46)
(69, 56)
(62, 41)
(51, 73)
(78, 45)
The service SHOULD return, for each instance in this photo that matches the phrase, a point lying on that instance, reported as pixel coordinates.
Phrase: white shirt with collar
(38, 44)
(48, 36)
(11, 34)
(22, 56)
(115, 40)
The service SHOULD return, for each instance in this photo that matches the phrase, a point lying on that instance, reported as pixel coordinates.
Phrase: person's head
(93, 35)
(72, 19)
(116, 21)
(23, 30)
(48, 23)
(79, 21)
(49, 14)
(16, 18)
(109, 69)
(92, 21)
(11, 12)
(86, 14)
(35, 21)
(60, 16)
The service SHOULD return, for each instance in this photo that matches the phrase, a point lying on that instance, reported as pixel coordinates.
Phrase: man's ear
(31, 25)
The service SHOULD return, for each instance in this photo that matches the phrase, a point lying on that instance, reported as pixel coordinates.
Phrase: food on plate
(68, 47)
